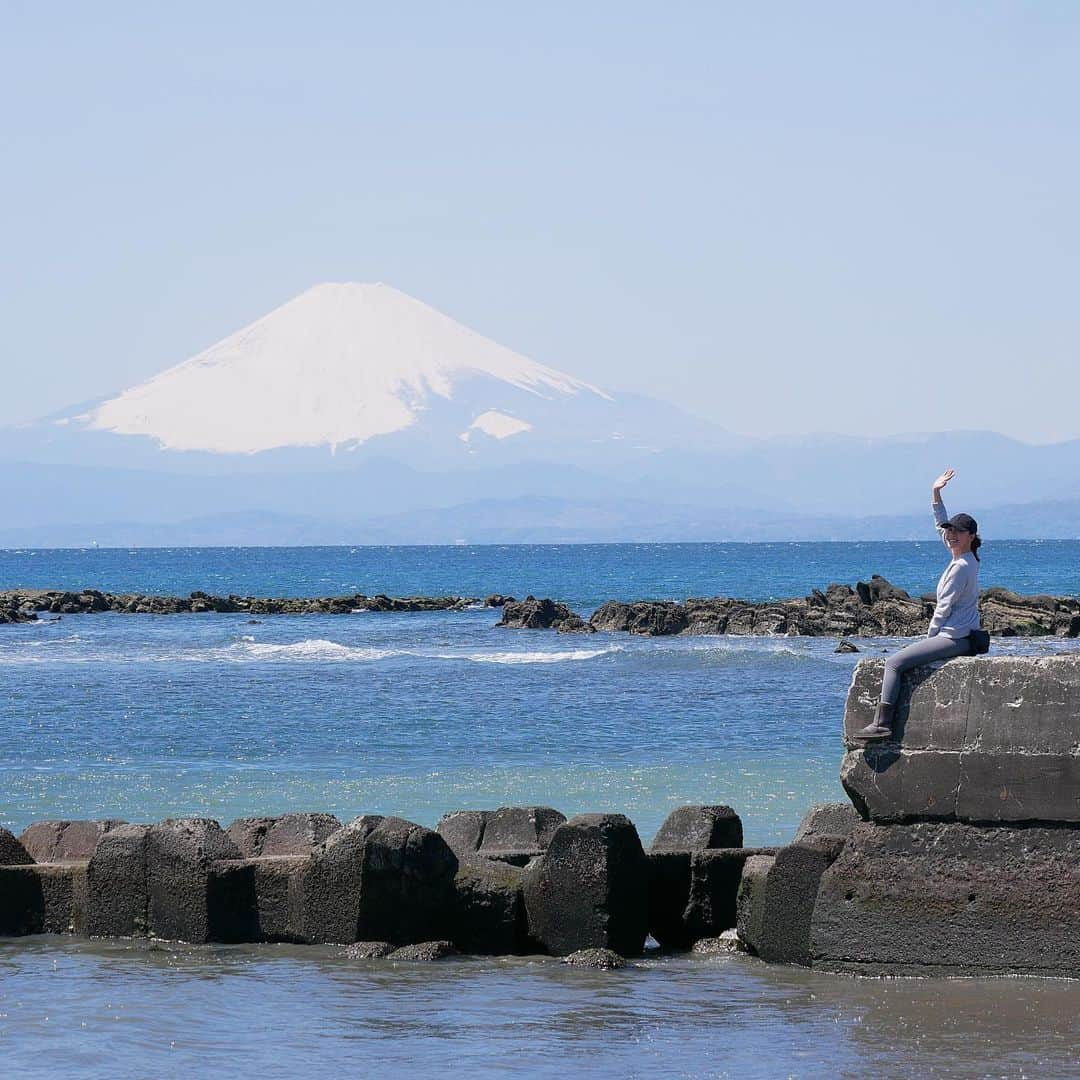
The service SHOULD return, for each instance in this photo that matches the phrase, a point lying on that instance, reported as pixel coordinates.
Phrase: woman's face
(959, 541)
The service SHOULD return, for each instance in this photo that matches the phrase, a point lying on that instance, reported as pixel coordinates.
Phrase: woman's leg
(926, 651)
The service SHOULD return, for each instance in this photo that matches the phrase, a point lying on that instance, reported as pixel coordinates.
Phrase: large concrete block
(463, 830)
(377, 879)
(516, 834)
(488, 915)
(117, 884)
(12, 853)
(65, 841)
(977, 740)
(777, 901)
(43, 899)
(289, 834)
(187, 901)
(941, 898)
(827, 819)
(750, 915)
(591, 888)
(692, 828)
(693, 894)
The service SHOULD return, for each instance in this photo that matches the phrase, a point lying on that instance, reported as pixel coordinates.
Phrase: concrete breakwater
(869, 609)
(965, 857)
(517, 880)
(874, 608)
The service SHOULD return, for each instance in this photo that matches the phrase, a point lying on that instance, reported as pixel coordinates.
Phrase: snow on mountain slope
(338, 365)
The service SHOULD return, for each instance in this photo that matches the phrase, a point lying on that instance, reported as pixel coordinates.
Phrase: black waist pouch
(978, 642)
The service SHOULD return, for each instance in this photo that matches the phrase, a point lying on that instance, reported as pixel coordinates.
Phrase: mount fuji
(357, 371)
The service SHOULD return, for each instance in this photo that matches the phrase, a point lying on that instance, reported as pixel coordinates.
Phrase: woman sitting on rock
(955, 616)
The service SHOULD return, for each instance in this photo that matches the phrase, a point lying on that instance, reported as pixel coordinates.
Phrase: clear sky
(787, 217)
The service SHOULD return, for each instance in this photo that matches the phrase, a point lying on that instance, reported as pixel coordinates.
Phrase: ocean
(416, 714)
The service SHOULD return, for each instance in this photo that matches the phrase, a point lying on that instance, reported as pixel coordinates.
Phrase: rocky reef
(22, 605)
(873, 608)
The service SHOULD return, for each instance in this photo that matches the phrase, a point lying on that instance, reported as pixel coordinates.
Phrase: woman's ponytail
(976, 543)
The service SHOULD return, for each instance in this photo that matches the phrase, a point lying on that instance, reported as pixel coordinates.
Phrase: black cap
(963, 522)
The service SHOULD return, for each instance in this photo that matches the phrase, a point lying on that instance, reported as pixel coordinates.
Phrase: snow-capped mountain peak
(337, 365)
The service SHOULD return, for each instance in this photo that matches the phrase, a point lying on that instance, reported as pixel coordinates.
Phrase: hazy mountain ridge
(357, 409)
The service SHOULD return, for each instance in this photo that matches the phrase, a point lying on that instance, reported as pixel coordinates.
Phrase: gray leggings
(926, 651)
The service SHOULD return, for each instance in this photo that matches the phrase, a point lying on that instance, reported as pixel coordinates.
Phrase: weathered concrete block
(942, 898)
(781, 933)
(516, 834)
(186, 900)
(43, 899)
(463, 830)
(977, 740)
(750, 903)
(377, 879)
(828, 819)
(591, 888)
(12, 853)
(289, 834)
(692, 828)
(489, 908)
(693, 894)
(117, 884)
(65, 841)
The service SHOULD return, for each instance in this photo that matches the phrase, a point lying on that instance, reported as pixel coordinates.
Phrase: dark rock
(289, 834)
(600, 959)
(463, 830)
(644, 617)
(726, 943)
(65, 841)
(830, 820)
(533, 614)
(425, 951)
(497, 600)
(488, 914)
(516, 834)
(591, 887)
(846, 647)
(12, 852)
(934, 898)
(185, 901)
(693, 828)
(377, 879)
(117, 883)
(369, 950)
(43, 899)
(981, 740)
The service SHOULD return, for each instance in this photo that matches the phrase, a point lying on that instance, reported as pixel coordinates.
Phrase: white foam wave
(527, 657)
(305, 650)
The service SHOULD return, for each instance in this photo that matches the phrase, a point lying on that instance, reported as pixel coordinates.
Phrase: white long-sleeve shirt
(957, 610)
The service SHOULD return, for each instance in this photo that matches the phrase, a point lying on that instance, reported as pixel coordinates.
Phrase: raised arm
(941, 515)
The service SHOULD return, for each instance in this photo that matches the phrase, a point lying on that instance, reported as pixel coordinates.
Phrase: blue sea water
(144, 717)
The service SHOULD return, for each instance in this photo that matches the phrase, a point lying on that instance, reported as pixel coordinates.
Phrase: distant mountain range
(356, 414)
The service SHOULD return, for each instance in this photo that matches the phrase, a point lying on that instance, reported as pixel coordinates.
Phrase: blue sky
(858, 218)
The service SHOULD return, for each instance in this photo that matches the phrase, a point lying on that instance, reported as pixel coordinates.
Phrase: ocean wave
(306, 650)
(569, 655)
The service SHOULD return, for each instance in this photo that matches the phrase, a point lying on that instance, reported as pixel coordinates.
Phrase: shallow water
(111, 1009)
(145, 717)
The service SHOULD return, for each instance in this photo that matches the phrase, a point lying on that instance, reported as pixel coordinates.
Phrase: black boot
(880, 727)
